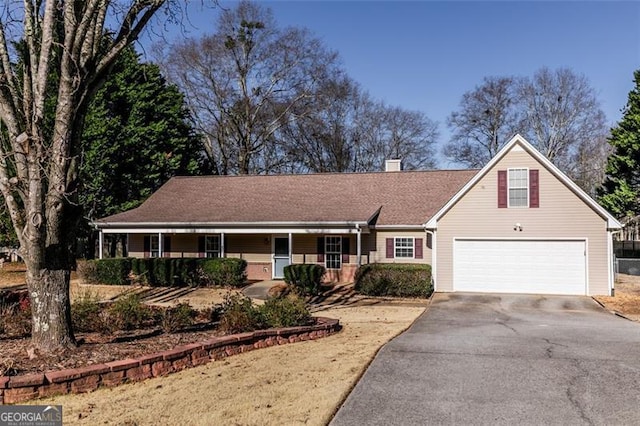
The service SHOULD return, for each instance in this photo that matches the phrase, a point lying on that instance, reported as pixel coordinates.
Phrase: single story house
(518, 225)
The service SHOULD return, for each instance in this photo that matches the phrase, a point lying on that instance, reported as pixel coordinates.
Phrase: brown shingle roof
(404, 198)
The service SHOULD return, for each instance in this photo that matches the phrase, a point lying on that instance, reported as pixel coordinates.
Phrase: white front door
(520, 266)
(280, 256)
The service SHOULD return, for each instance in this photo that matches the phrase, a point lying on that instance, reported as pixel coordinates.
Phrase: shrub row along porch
(267, 254)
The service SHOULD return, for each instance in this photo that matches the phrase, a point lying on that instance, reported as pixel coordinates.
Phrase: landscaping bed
(627, 297)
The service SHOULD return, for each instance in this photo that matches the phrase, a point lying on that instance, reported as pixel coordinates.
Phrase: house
(518, 225)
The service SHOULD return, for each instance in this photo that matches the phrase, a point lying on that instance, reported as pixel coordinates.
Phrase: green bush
(288, 311)
(395, 280)
(164, 272)
(305, 278)
(225, 271)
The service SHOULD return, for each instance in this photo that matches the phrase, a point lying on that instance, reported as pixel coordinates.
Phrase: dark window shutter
(147, 246)
(166, 247)
(418, 248)
(502, 189)
(429, 240)
(320, 250)
(534, 189)
(201, 246)
(390, 248)
(346, 249)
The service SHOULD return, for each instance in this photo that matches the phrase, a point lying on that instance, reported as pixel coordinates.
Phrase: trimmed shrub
(394, 279)
(225, 271)
(288, 311)
(305, 278)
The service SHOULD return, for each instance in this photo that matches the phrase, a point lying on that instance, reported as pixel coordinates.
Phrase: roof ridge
(379, 172)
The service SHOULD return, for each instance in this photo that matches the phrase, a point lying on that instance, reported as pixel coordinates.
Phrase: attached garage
(520, 266)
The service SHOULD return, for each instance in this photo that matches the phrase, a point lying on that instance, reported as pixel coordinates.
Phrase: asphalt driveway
(504, 359)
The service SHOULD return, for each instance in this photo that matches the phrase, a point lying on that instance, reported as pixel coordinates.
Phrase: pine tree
(620, 192)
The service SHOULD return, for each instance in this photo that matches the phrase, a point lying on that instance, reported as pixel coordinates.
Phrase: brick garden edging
(14, 389)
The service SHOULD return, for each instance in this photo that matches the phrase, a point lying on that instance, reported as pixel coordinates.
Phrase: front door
(280, 256)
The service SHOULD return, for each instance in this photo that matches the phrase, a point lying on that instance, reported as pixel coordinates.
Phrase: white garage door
(520, 266)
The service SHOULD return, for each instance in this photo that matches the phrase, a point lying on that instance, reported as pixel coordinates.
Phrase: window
(404, 247)
(154, 246)
(518, 188)
(212, 246)
(333, 252)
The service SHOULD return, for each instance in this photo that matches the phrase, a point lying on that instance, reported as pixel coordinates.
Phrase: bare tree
(487, 118)
(348, 131)
(243, 83)
(561, 111)
(38, 155)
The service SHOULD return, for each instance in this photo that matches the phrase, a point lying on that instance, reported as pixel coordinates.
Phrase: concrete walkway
(260, 289)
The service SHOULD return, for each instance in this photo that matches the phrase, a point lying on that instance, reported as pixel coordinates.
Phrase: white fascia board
(220, 230)
(383, 227)
(612, 222)
(105, 225)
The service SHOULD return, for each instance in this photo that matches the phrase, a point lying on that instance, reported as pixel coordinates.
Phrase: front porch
(266, 251)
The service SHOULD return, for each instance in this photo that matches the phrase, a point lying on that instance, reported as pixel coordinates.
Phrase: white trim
(434, 259)
(222, 247)
(326, 257)
(273, 253)
(382, 227)
(219, 251)
(612, 222)
(359, 247)
(100, 245)
(611, 272)
(99, 224)
(413, 248)
(528, 188)
(134, 230)
(160, 245)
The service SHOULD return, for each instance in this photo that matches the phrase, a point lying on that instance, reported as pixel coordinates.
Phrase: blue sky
(423, 55)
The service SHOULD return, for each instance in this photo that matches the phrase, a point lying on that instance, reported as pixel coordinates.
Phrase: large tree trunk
(50, 309)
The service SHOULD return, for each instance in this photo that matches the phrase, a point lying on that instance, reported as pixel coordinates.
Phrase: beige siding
(561, 215)
(252, 248)
(379, 252)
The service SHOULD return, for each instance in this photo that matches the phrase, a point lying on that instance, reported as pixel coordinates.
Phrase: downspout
(612, 272)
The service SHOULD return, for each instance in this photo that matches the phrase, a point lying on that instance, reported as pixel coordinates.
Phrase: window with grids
(154, 246)
(518, 187)
(404, 247)
(333, 252)
(212, 246)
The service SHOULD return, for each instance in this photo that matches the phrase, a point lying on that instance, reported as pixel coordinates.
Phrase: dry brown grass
(627, 297)
(12, 274)
(301, 383)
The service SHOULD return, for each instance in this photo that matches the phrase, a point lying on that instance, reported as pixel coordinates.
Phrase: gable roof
(612, 222)
(380, 198)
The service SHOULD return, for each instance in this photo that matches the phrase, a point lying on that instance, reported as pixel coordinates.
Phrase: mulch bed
(93, 348)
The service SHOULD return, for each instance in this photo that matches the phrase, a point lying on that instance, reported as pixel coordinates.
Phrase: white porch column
(359, 245)
(160, 245)
(222, 249)
(290, 249)
(100, 244)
